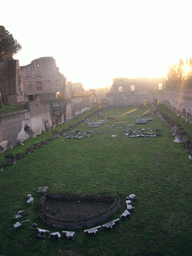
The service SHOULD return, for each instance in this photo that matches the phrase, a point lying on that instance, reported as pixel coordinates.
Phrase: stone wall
(21, 125)
(11, 82)
(11, 125)
(180, 100)
(84, 221)
(128, 98)
(39, 120)
(42, 76)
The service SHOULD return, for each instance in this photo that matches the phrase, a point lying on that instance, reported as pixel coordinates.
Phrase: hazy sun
(186, 69)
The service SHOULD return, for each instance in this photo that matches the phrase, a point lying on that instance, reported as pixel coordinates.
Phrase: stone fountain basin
(75, 211)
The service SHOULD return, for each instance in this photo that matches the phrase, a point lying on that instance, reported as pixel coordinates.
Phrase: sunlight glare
(186, 69)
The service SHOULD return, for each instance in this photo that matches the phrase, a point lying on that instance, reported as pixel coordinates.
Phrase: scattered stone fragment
(129, 201)
(55, 134)
(131, 197)
(30, 201)
(55, 235)
(125, 214)
(69, 234)
(130, 208)
(114, 136)
(44, 142)
(190, 157)
(37, 145)
(17, 225)
(29, 196)
(34, 226)
(29, 151)
(17, 216)
(20, 156)
(42, 232)
(111, 225)
(42, 190)
(21, 212)
(92, 231)
(24, 221)
(9, 159)
(141, 121)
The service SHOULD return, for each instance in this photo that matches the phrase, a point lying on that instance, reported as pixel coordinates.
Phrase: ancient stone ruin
(75, 211)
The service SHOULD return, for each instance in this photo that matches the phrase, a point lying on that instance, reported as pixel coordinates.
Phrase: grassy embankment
(9, 108)
(156, 169)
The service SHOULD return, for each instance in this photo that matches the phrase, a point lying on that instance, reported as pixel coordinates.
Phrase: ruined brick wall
(132, 98)
(11, 125)
(126, 91)
(180, 100)
(42, 76)
(11, 82)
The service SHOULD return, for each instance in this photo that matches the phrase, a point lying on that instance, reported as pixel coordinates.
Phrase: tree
(8, 45)
(172, 72)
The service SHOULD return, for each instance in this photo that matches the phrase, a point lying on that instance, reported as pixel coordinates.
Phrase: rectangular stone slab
(42, 190)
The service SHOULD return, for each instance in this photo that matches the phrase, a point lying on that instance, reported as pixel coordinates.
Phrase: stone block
(55, 235)
(30, 201)
(17, 216)
(131, 197)
(22, 212)
(141, 121)
(129, 201)
(111, 224)
(130, 208)
(34, 226)
(92, 231)
(37, 145)
(125, 214)
(42, 233)
(25, 221)
(17, 225)
(29, 151)
(55, 134)
(29, 196)
(9, 159)
(42, 190)
(68, 234)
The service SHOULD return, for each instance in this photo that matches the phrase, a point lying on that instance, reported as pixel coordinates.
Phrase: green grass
(9, 108)
(156, 169)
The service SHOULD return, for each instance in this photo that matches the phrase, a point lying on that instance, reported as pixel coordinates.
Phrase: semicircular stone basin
(75, 211)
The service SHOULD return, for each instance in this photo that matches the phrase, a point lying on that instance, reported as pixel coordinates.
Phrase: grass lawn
(156, 169)
(10, 108)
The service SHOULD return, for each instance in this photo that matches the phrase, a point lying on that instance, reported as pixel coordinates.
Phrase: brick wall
(42, 76)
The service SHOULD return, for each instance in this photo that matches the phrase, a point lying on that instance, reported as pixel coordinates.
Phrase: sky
(96, 41)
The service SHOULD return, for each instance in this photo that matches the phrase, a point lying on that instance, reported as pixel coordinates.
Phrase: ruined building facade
(42, 76)
(43, 92)
(137, 91)
(11, 82)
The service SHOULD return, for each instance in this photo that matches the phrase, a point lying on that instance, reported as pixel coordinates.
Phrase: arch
(37, 73)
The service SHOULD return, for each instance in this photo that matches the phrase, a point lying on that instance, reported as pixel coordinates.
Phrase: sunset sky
(96, 41)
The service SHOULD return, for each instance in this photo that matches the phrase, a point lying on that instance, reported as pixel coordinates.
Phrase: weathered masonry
(126, 91)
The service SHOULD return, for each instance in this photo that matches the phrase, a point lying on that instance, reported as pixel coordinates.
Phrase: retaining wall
(77, 224)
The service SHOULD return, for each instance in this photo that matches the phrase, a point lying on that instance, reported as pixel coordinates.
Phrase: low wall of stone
(77, 224)
(11, 125)
(127, 98)
(179, 100)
